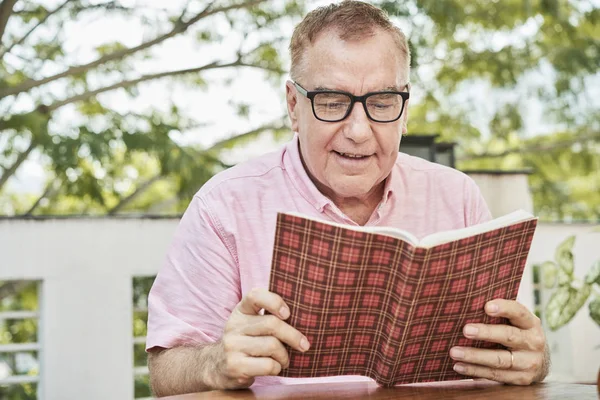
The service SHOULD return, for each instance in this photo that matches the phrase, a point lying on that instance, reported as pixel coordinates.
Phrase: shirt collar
(292, 163)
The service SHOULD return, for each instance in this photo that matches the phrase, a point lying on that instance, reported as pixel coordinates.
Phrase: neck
(360, 209)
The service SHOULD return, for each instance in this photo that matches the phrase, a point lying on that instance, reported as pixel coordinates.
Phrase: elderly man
(347, 102)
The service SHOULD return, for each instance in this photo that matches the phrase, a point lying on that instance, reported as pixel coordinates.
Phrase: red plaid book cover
(375, 305)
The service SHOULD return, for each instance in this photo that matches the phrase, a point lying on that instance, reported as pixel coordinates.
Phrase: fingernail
(304, 345)
(492, 308)
(457, 354)
(284, 312)
(471, 330)
(459, 368)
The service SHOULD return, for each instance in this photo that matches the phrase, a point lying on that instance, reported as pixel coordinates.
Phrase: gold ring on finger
(512, 359)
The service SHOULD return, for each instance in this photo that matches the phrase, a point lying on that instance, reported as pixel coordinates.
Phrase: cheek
(318, 138)
(314, 147)
(389, 141)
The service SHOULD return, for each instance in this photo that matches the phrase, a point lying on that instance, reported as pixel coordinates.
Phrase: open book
(376, 301)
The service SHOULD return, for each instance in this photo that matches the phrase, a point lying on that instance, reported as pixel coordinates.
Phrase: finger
(499, 359)
(517, 313)
(242, 367)
(265, 346)
(259, 299)
(506, 335)
(270, 325)
(498, 375)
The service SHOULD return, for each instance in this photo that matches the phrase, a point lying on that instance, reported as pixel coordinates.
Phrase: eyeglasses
(334, 106)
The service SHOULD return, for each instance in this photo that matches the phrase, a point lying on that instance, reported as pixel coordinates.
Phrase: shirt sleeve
(198, 285)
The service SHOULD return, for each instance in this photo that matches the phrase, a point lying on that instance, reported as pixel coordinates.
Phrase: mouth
(353, 156)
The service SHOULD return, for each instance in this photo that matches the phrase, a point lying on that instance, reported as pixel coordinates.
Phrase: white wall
(87, 267)
(504, 192)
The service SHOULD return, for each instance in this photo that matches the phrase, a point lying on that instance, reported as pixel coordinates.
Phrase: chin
(352, 190)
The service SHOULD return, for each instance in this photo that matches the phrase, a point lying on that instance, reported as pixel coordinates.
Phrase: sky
(212, 105)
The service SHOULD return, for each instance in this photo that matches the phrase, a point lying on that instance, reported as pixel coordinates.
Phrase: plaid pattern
(376, 306)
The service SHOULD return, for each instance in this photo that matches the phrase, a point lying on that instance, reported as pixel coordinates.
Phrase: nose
(358, 127)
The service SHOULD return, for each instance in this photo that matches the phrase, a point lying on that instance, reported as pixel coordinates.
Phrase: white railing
(16, 348)
(86, 267)
(19, 347)
(19, 315)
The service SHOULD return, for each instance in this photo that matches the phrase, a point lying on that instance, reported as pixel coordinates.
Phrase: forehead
(372, 63)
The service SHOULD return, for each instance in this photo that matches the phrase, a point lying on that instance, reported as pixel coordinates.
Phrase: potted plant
(570, 294)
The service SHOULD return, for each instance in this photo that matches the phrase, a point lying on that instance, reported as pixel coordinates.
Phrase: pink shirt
(222, 247)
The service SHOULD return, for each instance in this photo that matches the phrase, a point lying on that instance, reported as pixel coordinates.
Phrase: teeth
(352, 155)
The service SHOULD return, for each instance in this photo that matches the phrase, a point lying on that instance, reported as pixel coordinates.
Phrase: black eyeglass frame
(353, 99)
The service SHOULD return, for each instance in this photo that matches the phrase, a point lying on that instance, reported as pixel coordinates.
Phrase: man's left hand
(526, 360)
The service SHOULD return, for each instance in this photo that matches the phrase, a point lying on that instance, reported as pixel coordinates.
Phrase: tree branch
(7, 173)
(144, 78)
(232, 139)
(217, 146)
(51, 189)
(6, 9)
(159, 207)
(535, 147)
(120, 54)
(41, 22)
(138, 191)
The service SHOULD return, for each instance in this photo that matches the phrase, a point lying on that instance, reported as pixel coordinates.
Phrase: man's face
(329, 149)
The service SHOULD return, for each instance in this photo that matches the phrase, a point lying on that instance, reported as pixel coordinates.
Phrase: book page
(500, 222)
(394, 232)
(380, 230)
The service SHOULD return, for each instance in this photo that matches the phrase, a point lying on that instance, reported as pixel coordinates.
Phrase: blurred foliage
(142, 387)
(23, 391)
(505, 48)
(108, 163)
(141, 288)
(19, 296)
(104, 161)
(569, 294)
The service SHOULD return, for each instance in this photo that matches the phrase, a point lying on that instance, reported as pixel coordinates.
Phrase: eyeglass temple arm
(302, 91)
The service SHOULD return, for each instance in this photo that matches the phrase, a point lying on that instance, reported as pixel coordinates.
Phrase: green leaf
(564, 255)
(37, 13)
(594, 307)
(243, 110)
(549, 274)
(108, 48)
(564, 278)
(208, 36)
(593, 274)
(564, 304)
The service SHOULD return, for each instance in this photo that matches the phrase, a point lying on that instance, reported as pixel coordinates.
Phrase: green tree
(522, 52)
(104, 160)
(545, 52)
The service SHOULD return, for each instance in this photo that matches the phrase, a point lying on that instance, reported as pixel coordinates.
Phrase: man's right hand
(252, 344)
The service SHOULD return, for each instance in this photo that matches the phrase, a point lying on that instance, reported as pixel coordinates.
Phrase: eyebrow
(389, 88)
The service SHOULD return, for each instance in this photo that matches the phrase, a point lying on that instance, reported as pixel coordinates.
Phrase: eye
(380, 106)
(335, 106)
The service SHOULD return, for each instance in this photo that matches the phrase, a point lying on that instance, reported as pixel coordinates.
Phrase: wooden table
(436, 391)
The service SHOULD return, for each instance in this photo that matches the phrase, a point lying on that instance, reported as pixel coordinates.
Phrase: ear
(291, 96)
